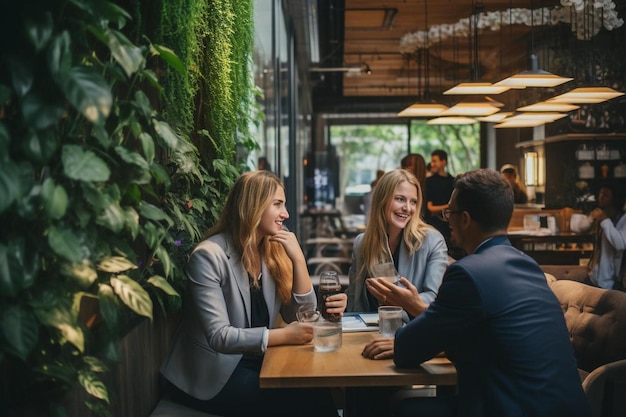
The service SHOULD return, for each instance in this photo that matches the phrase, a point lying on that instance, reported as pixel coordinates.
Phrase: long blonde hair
(375, 244)
(251, 194)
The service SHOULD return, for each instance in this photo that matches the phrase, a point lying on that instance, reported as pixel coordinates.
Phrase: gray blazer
(215, 329)
(424, 269)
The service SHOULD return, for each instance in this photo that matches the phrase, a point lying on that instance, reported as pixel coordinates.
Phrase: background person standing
(439, 187)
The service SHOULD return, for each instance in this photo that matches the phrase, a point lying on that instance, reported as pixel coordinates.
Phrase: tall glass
(329, 285)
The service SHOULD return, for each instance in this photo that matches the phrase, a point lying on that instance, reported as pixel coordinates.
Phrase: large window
(361, 150)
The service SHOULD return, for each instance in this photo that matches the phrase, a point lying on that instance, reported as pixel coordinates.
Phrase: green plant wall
(104, 185)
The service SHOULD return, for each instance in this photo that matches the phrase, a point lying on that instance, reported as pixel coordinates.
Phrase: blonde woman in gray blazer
(396, 233)
(248, 271)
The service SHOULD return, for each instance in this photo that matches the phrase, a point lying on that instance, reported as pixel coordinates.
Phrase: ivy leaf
(19, 331)
(82, 272)
(169, 56)
(166, 133)
(9, 184)
(64, 242)
(164, 257)
(152, 212)
(116, 264)
(112, 217)
(132, 221)
(147, 144)
(132, 158)
(133, 295)
(83, 165)
(163, 285)
(108, 306)
(18, 267)
(39, 113)
(125, 53)
(89, 93)
(40, 145)
(59, 57)
(60, 315)
(54, 199)
(93, 386)
(39, 32)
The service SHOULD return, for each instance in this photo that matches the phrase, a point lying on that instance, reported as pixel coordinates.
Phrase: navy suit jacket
(504, 330)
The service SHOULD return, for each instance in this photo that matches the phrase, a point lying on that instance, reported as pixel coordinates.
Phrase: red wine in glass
(329, 285)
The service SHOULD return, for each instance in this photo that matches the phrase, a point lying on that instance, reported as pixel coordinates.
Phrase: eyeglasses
(445, 214)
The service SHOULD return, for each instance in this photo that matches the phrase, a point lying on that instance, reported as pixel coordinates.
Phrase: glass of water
(307, 313)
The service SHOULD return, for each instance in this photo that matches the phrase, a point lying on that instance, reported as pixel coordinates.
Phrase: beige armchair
(596, 320)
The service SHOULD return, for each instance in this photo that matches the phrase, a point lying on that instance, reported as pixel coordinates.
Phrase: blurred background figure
(519, 191)
(263, 164)
(367, 198)
(416, 165)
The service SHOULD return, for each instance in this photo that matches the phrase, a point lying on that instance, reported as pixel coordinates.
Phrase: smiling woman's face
(274, 215)
(401, 207)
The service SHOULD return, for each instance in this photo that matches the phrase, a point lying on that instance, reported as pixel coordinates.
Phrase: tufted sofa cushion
(596, 320)
(571, 272)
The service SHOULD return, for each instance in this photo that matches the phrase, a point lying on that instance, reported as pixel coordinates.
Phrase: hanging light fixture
(549, 106)
(425, 107)
(587, 95)
(533, 77)
(452, 120)
(476, 87)
(474, 106)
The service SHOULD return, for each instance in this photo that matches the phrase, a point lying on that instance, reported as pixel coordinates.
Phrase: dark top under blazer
(501, 325)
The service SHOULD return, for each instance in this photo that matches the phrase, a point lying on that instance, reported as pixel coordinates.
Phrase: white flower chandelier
(585, 16)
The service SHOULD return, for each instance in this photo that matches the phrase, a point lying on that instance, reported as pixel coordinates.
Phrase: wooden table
(299, 366)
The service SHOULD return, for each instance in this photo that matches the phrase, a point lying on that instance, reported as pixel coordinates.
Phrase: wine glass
(307, 313)
(329, 285)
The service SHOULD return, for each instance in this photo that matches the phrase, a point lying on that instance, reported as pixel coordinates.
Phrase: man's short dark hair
(487, 197)
(441, 154)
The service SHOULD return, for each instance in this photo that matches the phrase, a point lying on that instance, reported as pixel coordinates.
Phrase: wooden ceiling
(368, 33)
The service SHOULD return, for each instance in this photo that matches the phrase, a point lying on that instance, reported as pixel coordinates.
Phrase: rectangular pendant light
(476, 88)
(452, 120)
(495, 118)
(534, 77)
(544, 106)
(423, 110)
(587, 95)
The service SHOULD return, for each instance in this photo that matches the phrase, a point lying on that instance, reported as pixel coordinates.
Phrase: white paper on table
(360, 322)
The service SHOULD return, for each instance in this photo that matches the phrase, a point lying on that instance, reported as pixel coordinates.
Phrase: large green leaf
(163, 285)
(166, 262)
(39, 113)
(92, 385)
(132, 221)
(54, 199)
(59, 57)
(21, 74)
(166, 133)
(9, 184)
(112, 217)
(83, 165)
(19, 331)
(64, 242)
(116, 264)
(147, 144)
(83, 273)
(108, 306)
(59, 313)
(129, 56)
(169, 56)
(18, 267)
(132, 158)
(89, 93)
(39, 32)
(152, 212)
(40, 145)
(133, 295)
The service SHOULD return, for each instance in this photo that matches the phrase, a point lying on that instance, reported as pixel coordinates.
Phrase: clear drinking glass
(387, 271)
(329, 285)
(307, 313)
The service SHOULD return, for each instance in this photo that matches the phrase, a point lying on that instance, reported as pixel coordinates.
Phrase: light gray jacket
(612, 249)
(424, 269)
(214, 332)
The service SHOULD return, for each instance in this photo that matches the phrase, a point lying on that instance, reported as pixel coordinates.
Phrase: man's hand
(379, 348)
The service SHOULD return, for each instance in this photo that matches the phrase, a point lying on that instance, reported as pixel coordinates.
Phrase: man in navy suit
(496, 319)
